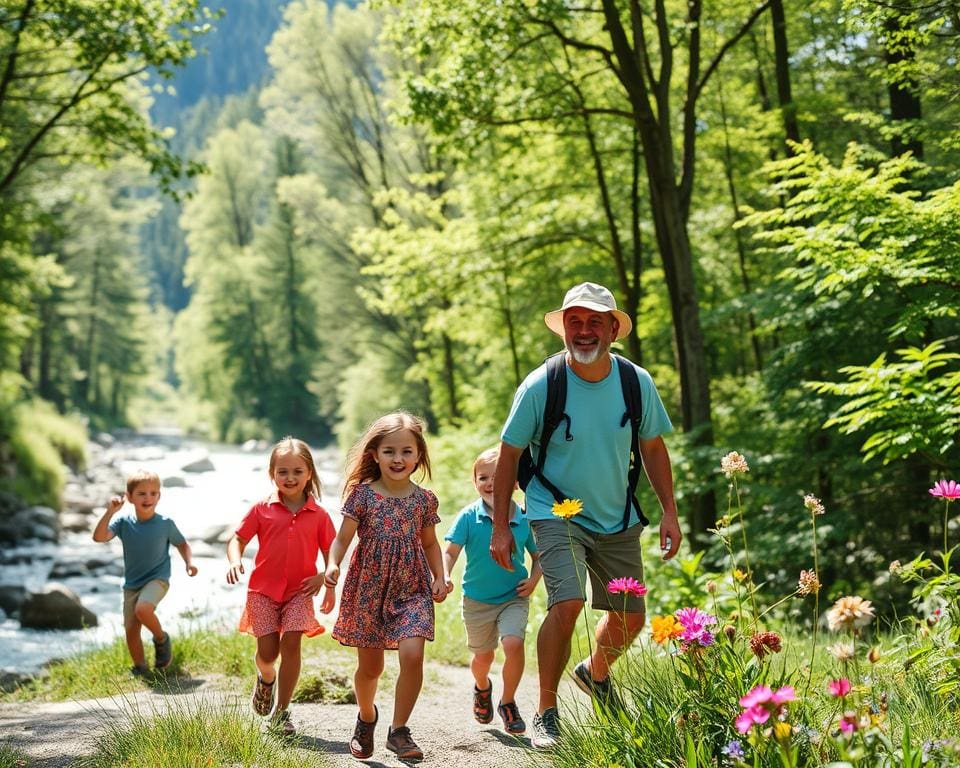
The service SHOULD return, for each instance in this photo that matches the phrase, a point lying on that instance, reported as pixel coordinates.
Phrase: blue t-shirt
(593, 466)
(146, 547)
(483, 579)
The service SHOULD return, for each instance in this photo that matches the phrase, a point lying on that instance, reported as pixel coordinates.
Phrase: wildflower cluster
(764, 643)
(762, 703)
(694, 623)
(734, 464)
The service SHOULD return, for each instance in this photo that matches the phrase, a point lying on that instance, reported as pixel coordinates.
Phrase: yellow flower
(665, 628)
(567, 508)
(739, 575)
(782, 731)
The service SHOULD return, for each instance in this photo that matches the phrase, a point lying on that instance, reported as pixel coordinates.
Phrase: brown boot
(361, 745)
(400, 741)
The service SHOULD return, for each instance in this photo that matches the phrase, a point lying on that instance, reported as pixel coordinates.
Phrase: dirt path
(54, 735)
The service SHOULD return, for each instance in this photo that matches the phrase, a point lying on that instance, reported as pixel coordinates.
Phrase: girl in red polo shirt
(292, 528)
(395, 574)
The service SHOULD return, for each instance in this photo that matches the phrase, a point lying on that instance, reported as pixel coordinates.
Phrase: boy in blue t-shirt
(496, 602)
(146, 538)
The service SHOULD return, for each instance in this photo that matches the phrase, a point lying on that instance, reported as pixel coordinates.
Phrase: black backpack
(553, 414)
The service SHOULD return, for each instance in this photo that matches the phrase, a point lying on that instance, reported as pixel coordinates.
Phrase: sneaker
(400, 742)
(140, 670)
(512, 722)
(281, 724)
(546, 729)
(483, 704)
(262, 699)
(601, 690)
(361, 745)
(164, 652)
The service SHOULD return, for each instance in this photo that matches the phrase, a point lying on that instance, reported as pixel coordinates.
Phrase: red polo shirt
(289, 544)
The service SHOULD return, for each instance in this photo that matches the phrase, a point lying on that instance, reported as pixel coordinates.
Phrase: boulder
(56, 607)
(200, 465)
(43, 515)
(10, 681)
(11, 596)
(74, 522)
(67, 569)
(175, 481)
(104, 439)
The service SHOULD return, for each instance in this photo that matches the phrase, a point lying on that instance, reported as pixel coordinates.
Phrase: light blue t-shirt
(146, 548)
(484, 580)
(593, 466)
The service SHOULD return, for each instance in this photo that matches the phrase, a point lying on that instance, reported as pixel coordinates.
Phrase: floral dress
(387, 592)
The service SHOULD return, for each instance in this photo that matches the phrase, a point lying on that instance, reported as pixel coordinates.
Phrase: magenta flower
(626, 585)
(946, 489)
(839, 688)
(761, 703)
(849, 723)
(695, 623)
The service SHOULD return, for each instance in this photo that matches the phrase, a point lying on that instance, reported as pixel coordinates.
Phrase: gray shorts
(570, 554)
(152, 592)
(486, 623)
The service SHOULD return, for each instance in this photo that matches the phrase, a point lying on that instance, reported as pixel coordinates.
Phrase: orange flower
(567, 508)
(665, 628)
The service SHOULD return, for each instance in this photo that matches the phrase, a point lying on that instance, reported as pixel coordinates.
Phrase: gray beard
(586, 358)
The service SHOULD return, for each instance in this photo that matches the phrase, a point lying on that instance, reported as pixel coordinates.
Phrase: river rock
(175, 481)
(200, 465)
(56, 607)
(74, 522)
(67, 569)
(217, 534)
(11, 597)
(10, 681)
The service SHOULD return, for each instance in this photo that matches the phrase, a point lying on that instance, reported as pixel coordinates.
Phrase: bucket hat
(589, 296)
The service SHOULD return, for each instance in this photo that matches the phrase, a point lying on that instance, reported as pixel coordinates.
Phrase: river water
(215, 498)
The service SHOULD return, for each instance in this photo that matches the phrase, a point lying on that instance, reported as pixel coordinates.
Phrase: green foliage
(12, 758)
(192, 734)
(35, 442)
(906, 407)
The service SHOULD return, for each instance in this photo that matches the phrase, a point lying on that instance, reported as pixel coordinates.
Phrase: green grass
(12, 758)
(193, 734)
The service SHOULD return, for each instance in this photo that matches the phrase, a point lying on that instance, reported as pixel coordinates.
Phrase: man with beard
(588, 459)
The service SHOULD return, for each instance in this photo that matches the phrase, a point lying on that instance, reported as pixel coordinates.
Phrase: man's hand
(501, 546)
(670, 536)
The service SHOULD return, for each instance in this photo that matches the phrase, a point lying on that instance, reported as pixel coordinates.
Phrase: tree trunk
(904, 102)
(781, 55)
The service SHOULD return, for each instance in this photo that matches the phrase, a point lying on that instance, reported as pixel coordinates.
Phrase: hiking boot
(140, 670)
(483, 704)
(262, 699)
(361, 745)
(546, 729)
(163, 652)
(281, 724)
(512, 722)
(400, 742)
(601, 690)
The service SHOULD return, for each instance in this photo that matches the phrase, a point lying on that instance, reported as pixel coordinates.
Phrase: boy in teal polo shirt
(496, 602)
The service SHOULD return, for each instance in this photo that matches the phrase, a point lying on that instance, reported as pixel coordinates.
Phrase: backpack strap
(552, 416)
(633, 400)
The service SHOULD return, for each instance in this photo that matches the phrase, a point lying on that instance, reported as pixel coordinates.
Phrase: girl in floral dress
(395, 574)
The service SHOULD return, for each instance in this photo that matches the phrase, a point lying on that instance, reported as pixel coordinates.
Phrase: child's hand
(439, 590)
(114, 504)
(235, 572)
(191, 569)
(332, 576)
(449, 584)
(311, 585)
(329, 600)
(525, 587)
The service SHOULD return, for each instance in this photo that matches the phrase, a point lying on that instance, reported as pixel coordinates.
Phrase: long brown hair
(292, 446)
(362, 466)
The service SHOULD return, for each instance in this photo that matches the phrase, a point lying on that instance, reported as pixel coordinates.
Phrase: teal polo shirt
(484, 580)
(146, 548)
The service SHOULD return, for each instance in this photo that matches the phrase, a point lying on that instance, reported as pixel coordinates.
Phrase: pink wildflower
(695, 623)
(626, 585)
(946, 489)
(839, 688)
(761, 703)
(849, 723)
